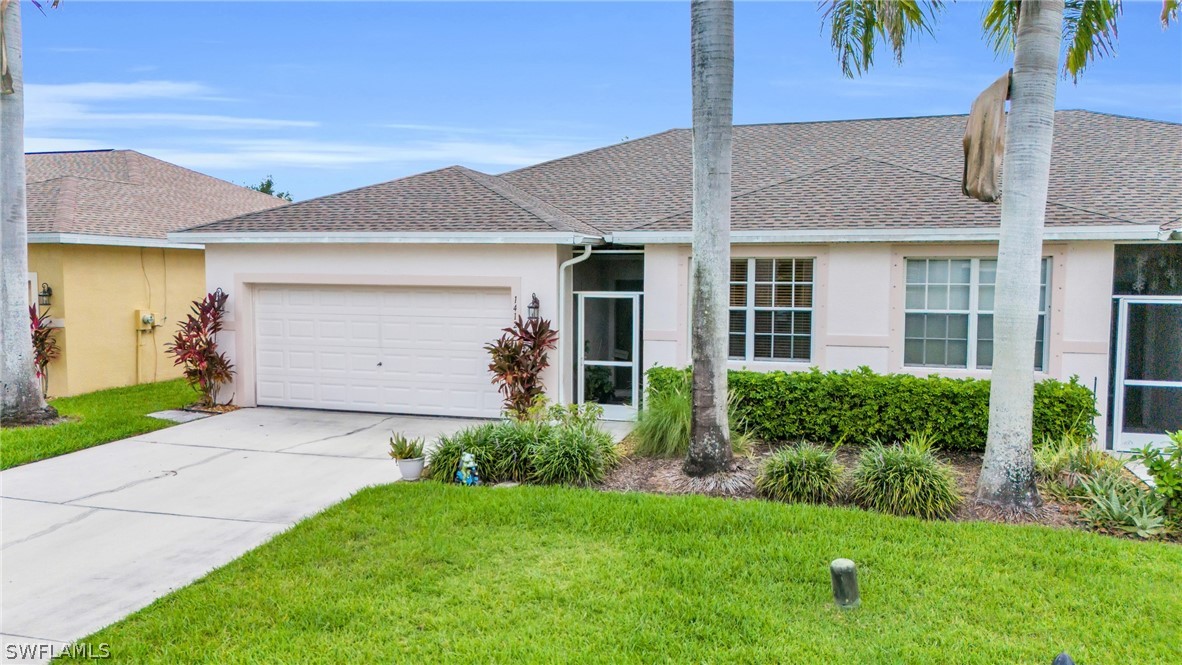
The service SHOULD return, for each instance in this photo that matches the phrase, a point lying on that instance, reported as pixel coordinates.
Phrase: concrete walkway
(92, 536)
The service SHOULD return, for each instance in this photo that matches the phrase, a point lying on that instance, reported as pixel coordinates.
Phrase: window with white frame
(949, 313)
(771, 309)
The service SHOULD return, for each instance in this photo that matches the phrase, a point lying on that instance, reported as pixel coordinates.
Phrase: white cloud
(96, 91)
(89, 105)
(49, 144)
(275, 153)
(435, 129)
(1132, 97)
(73, 49)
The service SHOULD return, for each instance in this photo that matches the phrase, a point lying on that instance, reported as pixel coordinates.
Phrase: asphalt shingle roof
(1109, 168)
(452, 199)
(127, 194)
(855, 174)
(870, 187)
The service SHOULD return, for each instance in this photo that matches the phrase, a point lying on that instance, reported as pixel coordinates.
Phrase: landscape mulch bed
(665, 476)
(215, 409)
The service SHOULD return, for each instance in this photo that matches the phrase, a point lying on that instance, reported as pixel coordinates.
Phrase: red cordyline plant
(518, 359)
(45, 348)
(195, 347)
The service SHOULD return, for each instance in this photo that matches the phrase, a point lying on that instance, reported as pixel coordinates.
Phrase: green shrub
(806, 473)
(663, 425)
(512, 450)
(905, 479)
(1062, 464)
(569, 456)
(1116, 503)
(507, 454)
(1165, 467)
(501, 450)
(444, 460)
(860, 407)
(402, 447)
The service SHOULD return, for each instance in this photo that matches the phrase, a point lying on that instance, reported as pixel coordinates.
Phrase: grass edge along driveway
(94, 419)
(430, 573)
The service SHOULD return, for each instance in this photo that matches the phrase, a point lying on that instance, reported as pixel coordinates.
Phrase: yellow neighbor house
(99, 255)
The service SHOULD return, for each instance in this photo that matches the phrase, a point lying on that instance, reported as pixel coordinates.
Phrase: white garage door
(383, 349)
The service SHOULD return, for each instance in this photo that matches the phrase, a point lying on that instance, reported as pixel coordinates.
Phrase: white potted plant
(408, 454)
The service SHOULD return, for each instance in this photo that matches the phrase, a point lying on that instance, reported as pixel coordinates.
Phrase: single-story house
(852, 246)
(100, 257)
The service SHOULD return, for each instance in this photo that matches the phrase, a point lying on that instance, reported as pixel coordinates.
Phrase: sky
(328, 96)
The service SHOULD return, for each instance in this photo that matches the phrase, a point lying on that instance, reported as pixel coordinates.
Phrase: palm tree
(1035, 30)
(1007, 472)
(712, 40)
(21, 400)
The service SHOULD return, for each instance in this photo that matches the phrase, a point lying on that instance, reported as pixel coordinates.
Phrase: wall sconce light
(534, 308)
(45, 295)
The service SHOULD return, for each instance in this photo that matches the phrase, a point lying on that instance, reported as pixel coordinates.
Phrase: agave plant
(195, 347)
(403, 447)
(1117, 503)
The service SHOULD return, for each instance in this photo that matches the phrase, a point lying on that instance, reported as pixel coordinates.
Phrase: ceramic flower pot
(410, 469)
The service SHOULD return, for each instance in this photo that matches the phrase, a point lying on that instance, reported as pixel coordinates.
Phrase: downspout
(562, 339)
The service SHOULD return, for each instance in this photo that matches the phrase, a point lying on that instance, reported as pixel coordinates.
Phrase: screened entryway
(608, 315)
(1147, 331)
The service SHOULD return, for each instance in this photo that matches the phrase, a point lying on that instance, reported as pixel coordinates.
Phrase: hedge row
(859, 406)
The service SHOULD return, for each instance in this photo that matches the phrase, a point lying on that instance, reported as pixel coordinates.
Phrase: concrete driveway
(92, 536)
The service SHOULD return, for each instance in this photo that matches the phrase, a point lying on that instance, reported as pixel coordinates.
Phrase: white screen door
(608, 352)
(1147, 400)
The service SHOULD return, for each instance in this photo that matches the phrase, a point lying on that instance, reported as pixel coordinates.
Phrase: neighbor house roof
(855, 175)
(125, 194)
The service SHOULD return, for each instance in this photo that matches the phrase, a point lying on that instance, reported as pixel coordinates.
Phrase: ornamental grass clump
(569, 456)
(663, 425)
(806, 473)
(500, 449)
(1062, 464)
(444, 460)
(905, 479)
(554, 446)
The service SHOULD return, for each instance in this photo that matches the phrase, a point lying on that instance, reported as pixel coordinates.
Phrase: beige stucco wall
(97, 291)
(858, 307)
(237, 269)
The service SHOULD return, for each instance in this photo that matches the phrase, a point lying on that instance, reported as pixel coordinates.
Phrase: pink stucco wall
(858, 297)
(523, 269)
(858, 307)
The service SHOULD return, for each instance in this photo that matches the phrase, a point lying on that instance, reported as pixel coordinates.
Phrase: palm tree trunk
(21, 401)
(1007, 473)
(712, 28)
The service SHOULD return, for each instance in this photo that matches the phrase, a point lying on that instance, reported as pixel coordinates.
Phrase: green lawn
(98, 417)
(414, 573)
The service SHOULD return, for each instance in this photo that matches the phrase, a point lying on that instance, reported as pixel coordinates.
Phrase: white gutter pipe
(562, 343)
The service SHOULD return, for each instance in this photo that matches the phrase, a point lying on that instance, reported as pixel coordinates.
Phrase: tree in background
(267, 186)
(21, 399)
(1036, 31)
